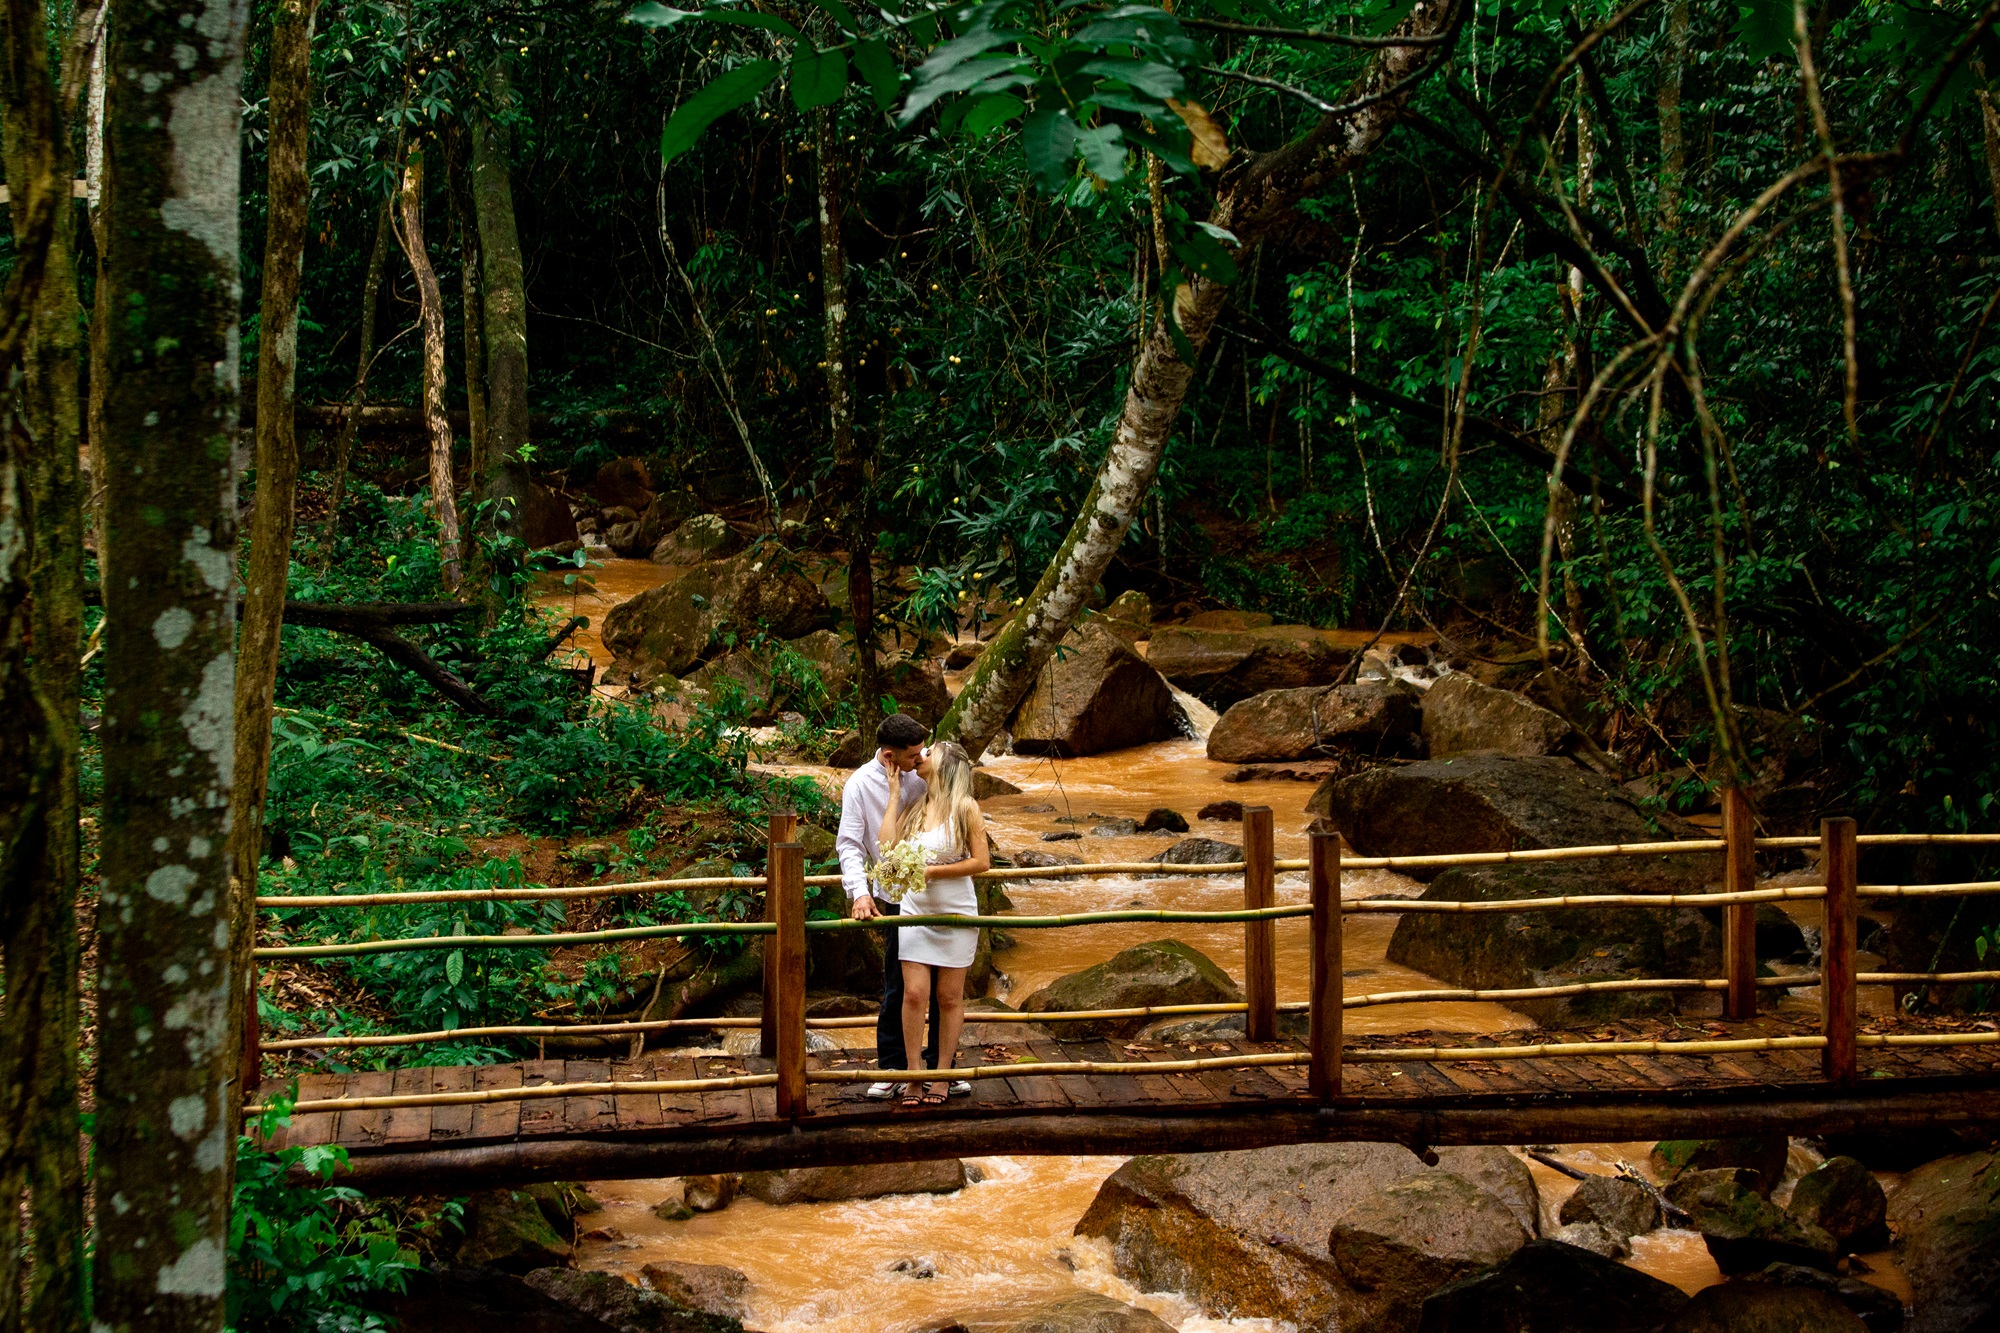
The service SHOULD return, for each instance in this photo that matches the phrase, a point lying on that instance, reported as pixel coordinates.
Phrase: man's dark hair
(899, 731)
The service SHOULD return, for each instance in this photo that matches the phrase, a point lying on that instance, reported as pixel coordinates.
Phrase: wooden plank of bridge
(310, 1131)
(363, 1129)
(788, 886)
(1120, 1090)
(679, 1108)
(451, 1122)
(764, 1101)
(496, 1120)
(1739, 924)
(1083, 1090)
(1839, 865)
(1038, 1092)
(542, 1115)
(1327, 982)
(635, 1110)
(583, 1115)
(1260, 938)
(724, 1104)
(1252, 1082)
(1168, 1089)
(784, 827)
(1460, 1077)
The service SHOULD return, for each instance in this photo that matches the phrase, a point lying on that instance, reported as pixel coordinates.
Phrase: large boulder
(1548, 1287)
(668, 630)
(1222, 666)
(1764, 1157)
(1501, 1174)
(1160, 972)
(1087, 1312)
(1094, 695)
(615, 1303)
(1498, 803)
(539, 517)
(1371, 717)
(509, 1231)
(1744, 1230)
(1129, 615)
(1623, 1208)
(1880, 1310)
(624, 481)
(1198, 851)
(668, 510)
(1400, 1243)
(480, 1300)
(1764, 1307)
(711, 1288)
(1245, 1234)
(1946, 1216)
(701, 538)
(1843, 1198)
(1461, 716)
(838, 1184)
(1519, 949)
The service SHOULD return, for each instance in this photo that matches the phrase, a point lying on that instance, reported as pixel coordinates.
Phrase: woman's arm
(981, 859)
(892, 815)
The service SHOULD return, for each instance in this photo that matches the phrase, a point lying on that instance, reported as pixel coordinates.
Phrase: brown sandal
(914, 1097)
(932, 1098)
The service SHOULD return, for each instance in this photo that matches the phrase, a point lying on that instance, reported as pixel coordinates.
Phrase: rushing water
(1003, 1246)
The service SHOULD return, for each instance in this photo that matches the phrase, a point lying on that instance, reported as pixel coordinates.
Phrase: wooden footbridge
(665, 1114)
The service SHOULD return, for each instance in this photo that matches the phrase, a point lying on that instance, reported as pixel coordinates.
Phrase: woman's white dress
(941, 946)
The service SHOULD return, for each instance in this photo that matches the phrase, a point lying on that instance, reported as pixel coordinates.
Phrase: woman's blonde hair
(946, 796)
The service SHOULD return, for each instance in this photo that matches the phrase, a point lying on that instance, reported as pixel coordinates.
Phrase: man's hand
(862, 908)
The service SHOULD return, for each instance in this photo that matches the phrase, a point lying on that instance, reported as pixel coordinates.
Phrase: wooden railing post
(1260, 938)
(1739, 929)
(788, 887)
(1838, 864)
(784, 828)
(1328, 988)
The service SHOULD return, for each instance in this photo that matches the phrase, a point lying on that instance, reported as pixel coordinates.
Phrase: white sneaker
(960, 1088)
(881, 1092)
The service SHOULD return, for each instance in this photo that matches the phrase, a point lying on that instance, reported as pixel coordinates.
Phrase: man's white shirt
(863, 801)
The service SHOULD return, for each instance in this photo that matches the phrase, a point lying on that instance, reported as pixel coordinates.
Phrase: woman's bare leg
(951, 1017)
(916, 1005)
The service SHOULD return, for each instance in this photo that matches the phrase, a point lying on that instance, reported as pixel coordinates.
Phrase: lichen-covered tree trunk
(430, 305)
(1262, 197)
(853, 480)
(1673, 145)
(166, 1096)
(371, 292)
(274, 512)
(470, 302)
(506, 293)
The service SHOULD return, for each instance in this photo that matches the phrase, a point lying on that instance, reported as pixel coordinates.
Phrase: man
(899, 748)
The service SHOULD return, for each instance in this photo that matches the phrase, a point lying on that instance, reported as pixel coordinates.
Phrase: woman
(948, 826)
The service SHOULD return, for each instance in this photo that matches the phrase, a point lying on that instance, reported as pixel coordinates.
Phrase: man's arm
(851, 842)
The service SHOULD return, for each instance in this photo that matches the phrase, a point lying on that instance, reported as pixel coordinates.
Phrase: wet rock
(918, 1270)
(985, 786)
(508, 1231)
(1778, 936)
(1497, 803)
(540, 517)
(709, 1194)
(1095, 695)
(668, 630)
(1844, 1199)
(837, 1184)
(1501, 1174)
(1090, 1313)
(1595, 1238)
(698, 539)
(1043, 860)
(1225, 1027)
(1234, 620)
(1062, 835)
(1225, 812)
(616, 1303)
(1744, 1230)
(1403, 1241)
(1880, 1310)
(1901, 1150)
(672, 1210)
(1129, 615)
(1761, 1307)
(1946, 1216)
(626, 482)
(562, 1202)
(963, 653)
(917, 685)
(1160, 972)
(1623, 1208)
(1370, 717)
(1200, 852)
(1549, 1287)
(1461, 716)
(1763, 1157)
(1223, 667)
(1115, 828)
(710, 1288)
(668, 510)
(480, 1300)
(1163, 820)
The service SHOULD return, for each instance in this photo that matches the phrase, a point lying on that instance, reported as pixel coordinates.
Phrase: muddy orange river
(1003, 1245)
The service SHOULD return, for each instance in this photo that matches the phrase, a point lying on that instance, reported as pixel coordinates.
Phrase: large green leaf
(992, 111)
(655, 15)
(885, 81)
(690, 118)
(1103, 151)
(989, 74)
(1764, 28)
(818, 77)
(1161, 81)
(1049, 139)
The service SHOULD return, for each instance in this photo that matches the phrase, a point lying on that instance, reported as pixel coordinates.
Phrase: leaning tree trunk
(1262, 197)
(166, 1098)
(371, 290)
(852, 471)
(275, 510)
(470, 304)
(444, 501)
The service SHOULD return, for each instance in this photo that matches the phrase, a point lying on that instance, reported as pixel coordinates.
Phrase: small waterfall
(1197, 718)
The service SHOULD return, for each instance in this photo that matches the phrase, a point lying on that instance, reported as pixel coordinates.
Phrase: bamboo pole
(1739, 931)
(356, 1041)
(1387, 1055)
(1260, 935)
(1925, 978)
(1836, 951)
(1040, 1068)
(783, 827)
(789, 983)
(1796, 892)
(536, 1093)
(1327, 1005)
(1972, 888)
(1927, 1039)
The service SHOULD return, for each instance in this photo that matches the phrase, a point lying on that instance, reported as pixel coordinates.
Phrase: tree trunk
(166, 1103)
(506, 299)
(1989, 123)
(371, 291)
(275, 510)
(1673, 145)
(852, 471)
(444, 502)
(469, 300)
(1262, 197)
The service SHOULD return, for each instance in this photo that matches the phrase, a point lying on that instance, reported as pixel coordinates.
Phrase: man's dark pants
(889, 1052)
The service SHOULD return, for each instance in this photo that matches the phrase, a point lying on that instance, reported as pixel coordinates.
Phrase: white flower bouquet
(900, 872)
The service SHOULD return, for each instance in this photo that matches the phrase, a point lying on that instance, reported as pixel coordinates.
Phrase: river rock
(1044, 860)
(1222, 667)
(1624, 1208)
(711, 1288)
(1744, 1230)
(507, 1230)
(710, 1194)
(1237, 620)
(1498, 803)
(1088, 1312)
(1888, 1149)
(1549, 1287)
(986, 786)
(1371, 717)
(1501, 1174)
(1129, 615)
(615, 1303)
(1094, 696)
(1200, 852)
(695, 540)
(1763, 1157)
(1880, 1310)
(624, 481)
(668, 630)
(668, 510)
(1946, 1216)
(1163, 820)
(1595, 1238)
(1762, 1307)
(1504, 950)
(1160, 972)
(1461, 715)
(1399, 1243)
(838, 1184)
(540, 517)
(1843, 1198)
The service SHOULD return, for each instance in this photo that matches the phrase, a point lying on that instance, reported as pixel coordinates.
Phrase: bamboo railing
(783, 1025)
